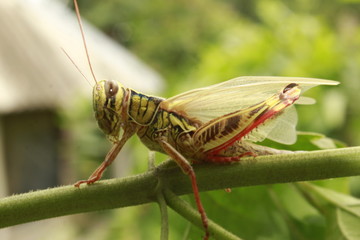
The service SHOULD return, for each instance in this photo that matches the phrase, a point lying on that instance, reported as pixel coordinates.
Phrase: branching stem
(140, 189)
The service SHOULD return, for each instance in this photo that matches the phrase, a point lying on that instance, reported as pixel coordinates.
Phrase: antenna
(72, 61)
(83, 38)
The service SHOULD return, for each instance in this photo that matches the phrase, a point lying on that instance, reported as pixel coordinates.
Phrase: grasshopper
(218, 124)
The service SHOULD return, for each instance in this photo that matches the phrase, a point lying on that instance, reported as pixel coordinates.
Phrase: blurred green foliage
(198, 43)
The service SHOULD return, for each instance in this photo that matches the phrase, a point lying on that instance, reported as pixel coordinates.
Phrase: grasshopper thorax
(108, 96)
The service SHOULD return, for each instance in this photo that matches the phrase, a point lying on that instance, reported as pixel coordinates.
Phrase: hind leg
(239, 150)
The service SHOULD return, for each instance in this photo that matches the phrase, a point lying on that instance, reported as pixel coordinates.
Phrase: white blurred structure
(34, 72)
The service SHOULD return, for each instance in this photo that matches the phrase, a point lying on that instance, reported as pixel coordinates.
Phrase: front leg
(110, 157)
(188, 170)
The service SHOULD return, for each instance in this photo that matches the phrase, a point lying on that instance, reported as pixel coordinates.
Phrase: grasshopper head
(108, 97)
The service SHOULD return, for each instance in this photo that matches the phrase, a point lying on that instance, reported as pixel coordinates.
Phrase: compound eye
(290, 86)
(111, 88)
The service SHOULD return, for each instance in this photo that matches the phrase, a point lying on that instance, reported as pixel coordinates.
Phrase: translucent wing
(281, 129)
(216, 100)
(205, 104)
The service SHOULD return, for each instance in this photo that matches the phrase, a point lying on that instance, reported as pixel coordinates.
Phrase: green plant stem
(192, 215)
(164, 216)
(164, 234)
(140, 189)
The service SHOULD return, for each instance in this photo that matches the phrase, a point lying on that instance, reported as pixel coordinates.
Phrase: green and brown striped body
(221, 139)
(218, 140)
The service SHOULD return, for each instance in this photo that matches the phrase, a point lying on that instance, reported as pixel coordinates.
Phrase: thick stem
(140, 189)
